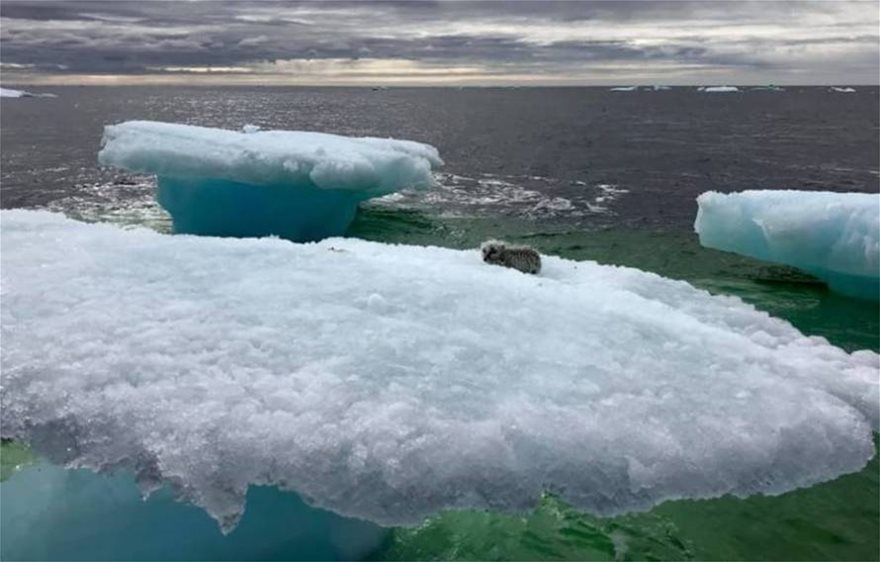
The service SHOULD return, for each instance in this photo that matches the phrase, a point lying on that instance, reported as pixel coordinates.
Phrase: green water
(833, 521)
(838, 520)
(14, 457)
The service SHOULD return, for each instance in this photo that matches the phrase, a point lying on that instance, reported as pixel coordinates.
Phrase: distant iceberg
(842, 90)
(390, 382)
(8, 93)
(768, 88)
(718, 89)
(657, 88)
(297, 185)
(624, 89)
(834, 236)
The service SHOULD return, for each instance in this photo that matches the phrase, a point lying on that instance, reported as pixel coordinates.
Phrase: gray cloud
(686, 42)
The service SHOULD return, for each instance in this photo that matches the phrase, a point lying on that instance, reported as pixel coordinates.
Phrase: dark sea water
(579, 172)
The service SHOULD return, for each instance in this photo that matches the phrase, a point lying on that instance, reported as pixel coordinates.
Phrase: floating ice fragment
(768, 88)
(718, 89)
(624, 89)
(834, 236)
(297, 185)
(390, 382)
(8, 93)
(250, 128)
(842, 90)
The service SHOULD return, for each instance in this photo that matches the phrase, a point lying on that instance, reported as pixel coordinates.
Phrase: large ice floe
(390, 382)
(834, 236)
(298, 185)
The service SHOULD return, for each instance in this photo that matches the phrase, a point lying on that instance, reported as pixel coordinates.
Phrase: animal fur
(521, 258)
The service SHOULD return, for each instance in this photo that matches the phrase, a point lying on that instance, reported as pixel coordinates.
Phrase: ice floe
(718, 89)
(9, 93)
(389, 382)
(845, 90)
(297, 185)
(834, 236)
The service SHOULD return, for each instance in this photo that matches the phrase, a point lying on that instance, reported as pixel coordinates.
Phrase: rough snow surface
(834, 236)
(294, 184)
(390, 382)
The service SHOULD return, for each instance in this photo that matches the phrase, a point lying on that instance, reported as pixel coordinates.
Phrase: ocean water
(579, 172)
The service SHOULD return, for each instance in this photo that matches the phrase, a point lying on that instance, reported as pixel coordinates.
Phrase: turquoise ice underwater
(370, 420)
(302, 186)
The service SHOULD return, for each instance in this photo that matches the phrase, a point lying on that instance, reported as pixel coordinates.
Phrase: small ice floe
(9, 93)
(718, 89)
(833, 236)
(845, 90)
(768, 88)
(624, 89)
(658, 88)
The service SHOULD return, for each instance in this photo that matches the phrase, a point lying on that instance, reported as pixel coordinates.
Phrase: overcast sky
(426, 43)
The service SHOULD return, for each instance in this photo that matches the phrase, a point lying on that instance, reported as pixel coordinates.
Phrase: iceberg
(389, 382)
(846, 90)
(834, 236)
(718, 89)
(624, 89)
(301, 186)
(768, 88)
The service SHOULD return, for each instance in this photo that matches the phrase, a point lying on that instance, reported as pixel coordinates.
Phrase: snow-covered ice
(389, 382)
(834, 236)
(297, 185)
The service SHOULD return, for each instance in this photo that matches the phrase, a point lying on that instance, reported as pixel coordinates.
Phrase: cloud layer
(441, 42)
